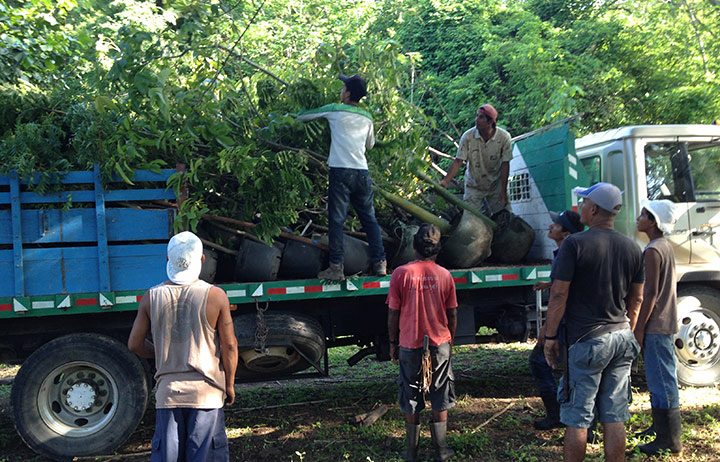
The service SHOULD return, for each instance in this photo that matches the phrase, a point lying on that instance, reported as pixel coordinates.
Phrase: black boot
(552, 414)
(668, 426)
(438, 431)
(650, 431)
(412, 439)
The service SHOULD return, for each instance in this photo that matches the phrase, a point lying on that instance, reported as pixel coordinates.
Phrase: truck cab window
(592, 168)
(667, 170)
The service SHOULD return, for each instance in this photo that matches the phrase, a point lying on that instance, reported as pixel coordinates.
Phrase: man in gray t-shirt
(597, 288)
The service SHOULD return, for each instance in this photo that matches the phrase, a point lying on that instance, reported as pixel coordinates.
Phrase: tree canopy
(215, 85)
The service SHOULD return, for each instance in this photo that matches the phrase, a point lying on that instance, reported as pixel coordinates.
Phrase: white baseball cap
(665, 212)
(184, 252)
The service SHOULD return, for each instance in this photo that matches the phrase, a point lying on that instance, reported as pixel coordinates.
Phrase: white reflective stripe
(43, 305)
(573, 173)
(384, 283)
(493, 277)
(295, 290)
(543, 274)
(331, 288)
(236, 293)
(126, 299)
(572, 159)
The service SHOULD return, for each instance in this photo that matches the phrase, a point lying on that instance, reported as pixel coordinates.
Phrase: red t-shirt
(422, 290)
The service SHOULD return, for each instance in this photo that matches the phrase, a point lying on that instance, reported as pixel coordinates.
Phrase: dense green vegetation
(214, 85)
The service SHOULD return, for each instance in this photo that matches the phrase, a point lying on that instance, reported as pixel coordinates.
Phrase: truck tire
(697, 343)
(79, 395)
(286, 334)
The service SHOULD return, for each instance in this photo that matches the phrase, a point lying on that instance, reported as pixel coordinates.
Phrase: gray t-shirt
(601, 265)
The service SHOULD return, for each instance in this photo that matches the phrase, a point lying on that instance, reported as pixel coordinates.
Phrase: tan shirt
(663, 319)
(483, 159)
(187, 349)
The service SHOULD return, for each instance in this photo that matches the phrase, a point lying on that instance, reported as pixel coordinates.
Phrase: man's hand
(394, 356)
(552, 352)
(230, 392)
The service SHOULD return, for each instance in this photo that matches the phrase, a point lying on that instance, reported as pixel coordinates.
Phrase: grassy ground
(308, 420)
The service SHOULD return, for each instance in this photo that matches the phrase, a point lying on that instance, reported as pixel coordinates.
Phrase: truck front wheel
(697, 343)
(79, 395)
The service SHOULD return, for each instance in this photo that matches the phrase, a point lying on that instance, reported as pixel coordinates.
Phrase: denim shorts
(442, 388)
(599, 379)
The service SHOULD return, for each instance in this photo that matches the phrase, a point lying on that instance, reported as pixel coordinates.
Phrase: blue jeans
(661, 371)
(352, 186)
(542, 372)
(599, 379)
(191, 435)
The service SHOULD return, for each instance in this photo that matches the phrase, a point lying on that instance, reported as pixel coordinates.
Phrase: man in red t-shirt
(421, 303)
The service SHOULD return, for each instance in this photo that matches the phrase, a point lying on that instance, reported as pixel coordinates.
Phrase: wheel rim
(77, 399)
(698, 339)
(274, 359)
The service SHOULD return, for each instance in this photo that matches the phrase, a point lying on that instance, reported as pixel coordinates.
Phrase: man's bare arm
(452, 171)
(633, 302)
(556, 310)
(452, 323)
(137, 341)
(504, 175)
(228, 341)
(393, 324)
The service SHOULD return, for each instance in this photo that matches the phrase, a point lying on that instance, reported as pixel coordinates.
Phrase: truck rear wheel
(290, 342)
(79, 395)
(697, 344)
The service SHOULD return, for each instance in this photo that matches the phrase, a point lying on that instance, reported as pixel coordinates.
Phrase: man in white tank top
(195, 350)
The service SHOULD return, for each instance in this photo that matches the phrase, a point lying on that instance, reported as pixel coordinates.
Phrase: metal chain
(261, 329)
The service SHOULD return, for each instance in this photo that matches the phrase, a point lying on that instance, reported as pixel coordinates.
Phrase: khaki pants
(486, 201)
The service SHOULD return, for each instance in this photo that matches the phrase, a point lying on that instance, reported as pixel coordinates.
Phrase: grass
(308, 420)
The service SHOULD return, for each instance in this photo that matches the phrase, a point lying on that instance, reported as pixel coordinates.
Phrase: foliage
(214, 85)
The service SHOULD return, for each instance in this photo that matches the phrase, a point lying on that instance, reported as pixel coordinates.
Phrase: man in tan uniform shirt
(195, 351)
(487, 151)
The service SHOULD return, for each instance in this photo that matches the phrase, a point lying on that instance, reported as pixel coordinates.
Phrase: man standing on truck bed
(195, 351)
(423, 305)
(656, 326)
(486, 150)
(351, 134)
(597, 289)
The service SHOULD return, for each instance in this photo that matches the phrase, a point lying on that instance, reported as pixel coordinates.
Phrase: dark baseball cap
(569, 220)
(355, 84)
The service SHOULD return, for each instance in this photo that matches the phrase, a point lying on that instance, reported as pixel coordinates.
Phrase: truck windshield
(683, 171)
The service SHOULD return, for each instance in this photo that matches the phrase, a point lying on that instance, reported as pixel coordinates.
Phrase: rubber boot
(438, 431)
(334, 272)
(668, 427)
(380, 268)
(650, 431)
(552, 414)
(412, 440)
